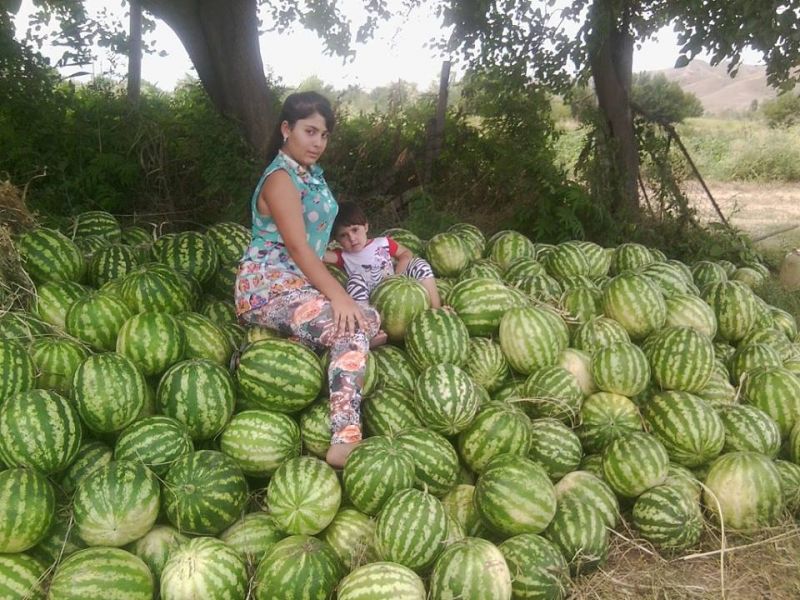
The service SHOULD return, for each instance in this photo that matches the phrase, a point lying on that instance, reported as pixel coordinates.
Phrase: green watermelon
(303, 495)
(260, 440)
(27, 508)
(668, 518)
(155, 441)
(470, 568)
(398, 299)
(634, 462)
(48, 255)
(102, 573)
(204, 568)
(381, 581)
(374, 471)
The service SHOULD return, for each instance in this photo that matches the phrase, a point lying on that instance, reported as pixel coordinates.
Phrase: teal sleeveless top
(319, 211)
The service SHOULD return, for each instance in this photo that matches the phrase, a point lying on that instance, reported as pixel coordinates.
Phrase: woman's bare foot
(379, 339)
(338, 453)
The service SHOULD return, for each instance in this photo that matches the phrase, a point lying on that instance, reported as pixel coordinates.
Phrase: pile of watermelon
(152, 446)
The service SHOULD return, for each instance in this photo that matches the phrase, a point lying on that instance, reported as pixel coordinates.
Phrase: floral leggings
(288, 303)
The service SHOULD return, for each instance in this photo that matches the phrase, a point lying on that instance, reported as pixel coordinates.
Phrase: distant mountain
(718, 92)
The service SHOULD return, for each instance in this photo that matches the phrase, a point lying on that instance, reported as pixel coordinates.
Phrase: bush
(664, 100)
(783, 111)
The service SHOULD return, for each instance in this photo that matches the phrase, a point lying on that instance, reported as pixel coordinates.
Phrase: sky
(400, 49)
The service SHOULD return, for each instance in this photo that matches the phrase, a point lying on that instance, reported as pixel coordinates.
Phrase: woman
(282, 282)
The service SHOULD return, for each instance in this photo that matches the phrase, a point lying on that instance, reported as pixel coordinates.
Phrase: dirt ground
(760, 209)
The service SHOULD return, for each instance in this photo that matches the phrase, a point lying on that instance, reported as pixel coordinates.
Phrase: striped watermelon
(204, 338)
(394, 368)
(96, 223)
(111, 262)
(579, 364)
(156, 545)
(91, 456)
(743, 490)
(447, 254)
(48, 255)
(279, 375)
(352, 536)
(315, 428)
(53, 300)
(634, 462)
(505, 247)
(520, 269)
(718, 390)
(156, 288)
(17, 370)
(27, 507)
(39, 429)
(683, 479)
(552, 392)
(540, 287)
(470, 568)
(152, 340)
(260, 440)
(61, 539)
(668, 518)
(593, 463)
(204, 493)
(189, 252)
(579, 530)
(219, 311)
(138, 236)
(790, 484)
(303, 495)
(109, 392)
(680, 358)
(580, 304)
(620, 368)
(481, 303)
(298, 567)
(446, 399)
(583, 486)
(198, 393)
(381, 581)
(435, 459)
(374, 471)
(687, 310)
(537, 566)
(706, 272)
(690, 429)
(89, 246)
(483, 268)
(785, 322)
(498, 428)
(636, 303)
(436, 336)
(155, 441)
(669, 278)
(116, 504)
(749, 359)
(771, 337)
(486, 364)
(471, 236)
(776, 391)
(514, 495)
(605, 416)
(388, 411)
(406, 238)
(598, 332)
(204, 568)
(21, 576)
(530, 338)
(21, 326)
(100, 574)
(555, 446)
(398, 299)
(748, 276)
(566, 260)
(230, 240)
(96, 319)
(734, 305)
(460, 506)
(252, 536)
(411, 529)
(630, 257)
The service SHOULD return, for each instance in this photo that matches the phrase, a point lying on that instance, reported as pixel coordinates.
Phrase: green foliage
(783, 111)
(664, 100)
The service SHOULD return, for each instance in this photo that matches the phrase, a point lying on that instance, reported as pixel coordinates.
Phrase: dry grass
(764, 566)
(15, 285)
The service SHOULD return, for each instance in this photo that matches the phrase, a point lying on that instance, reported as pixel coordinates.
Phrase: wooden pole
(135, 53)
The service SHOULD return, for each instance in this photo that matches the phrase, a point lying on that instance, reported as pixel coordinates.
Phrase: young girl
(282, 282)
(368, 261)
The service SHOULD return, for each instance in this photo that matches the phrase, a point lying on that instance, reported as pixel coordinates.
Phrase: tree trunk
(611, 62)
(436, 126)
(221, 38)
(135, 52)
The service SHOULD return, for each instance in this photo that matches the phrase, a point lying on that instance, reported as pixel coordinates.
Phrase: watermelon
(260, 440)
(669, 278)
(446, 399)
(394, 368)
(189, 252)
(688, 310)
(634, 462)
(470, 568)
(436, 336)
(21, 326)
(435, 460)
(620, 368)
(583, 486)
(411, 529)
(406, 238)
(91, 456)
(48, 255)
(53, 299)
(155, 441)
(668, 518)
(605, 416)
(17, 369)
(790, 484)
(27, 507)
(566, 260)
(96, 223)
(734, 305)
(374, 471)
(156, 288)
(204, 493)
(39, 429)
(636, 303)
(381, 581)
(680, 358)
(483, 268)
(505, 247)
(102, 573)
(552, 392)
(96, 319)
(598, 332)
(298, 567)
(514, 495)
(743, 491)
(56, 360)
(537, 566)
(630, 257)
(352, 536)
(498, 428)
(530, 338)
(460, 506)
(398, 299)
(116, 504)
(472, 237)
(152, 340)
(253, 535)
(447, 254)
(156, 545)
(315, 428)
(21, 576)
(111, 262)
(776, 391)
(578, 529)
(204, 338)
(303, 495)
(481, 303)
(706, 272)
(204, 568)
(230, 241)
(554, 446)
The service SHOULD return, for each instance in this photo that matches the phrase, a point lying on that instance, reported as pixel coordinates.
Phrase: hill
(718, 92)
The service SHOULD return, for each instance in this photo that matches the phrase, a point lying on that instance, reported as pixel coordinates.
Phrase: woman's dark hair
(300, 105)
(349, 214)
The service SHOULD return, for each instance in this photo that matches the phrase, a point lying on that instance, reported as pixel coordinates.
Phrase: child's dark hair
(349, 214)
(300, 105)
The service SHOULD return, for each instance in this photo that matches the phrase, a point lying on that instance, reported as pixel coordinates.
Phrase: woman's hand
(347, 315)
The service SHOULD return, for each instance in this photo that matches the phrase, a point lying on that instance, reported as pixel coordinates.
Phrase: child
(367, 261)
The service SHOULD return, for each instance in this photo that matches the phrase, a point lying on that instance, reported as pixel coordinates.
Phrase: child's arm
(403, 256)
(330, 257)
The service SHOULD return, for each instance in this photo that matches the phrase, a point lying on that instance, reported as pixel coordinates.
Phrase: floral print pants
(288, 303)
